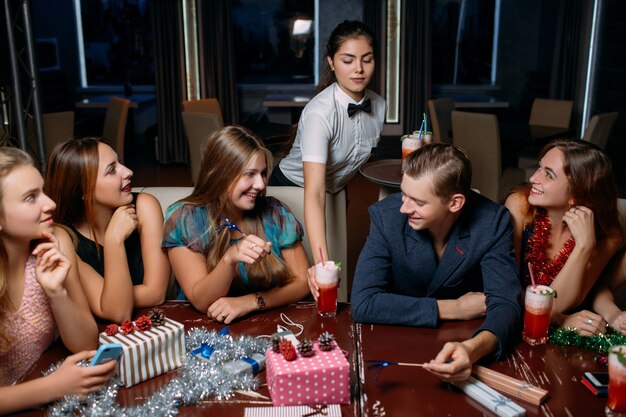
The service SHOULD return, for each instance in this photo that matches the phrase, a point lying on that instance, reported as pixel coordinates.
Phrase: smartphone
(596, 382)
(107, 352)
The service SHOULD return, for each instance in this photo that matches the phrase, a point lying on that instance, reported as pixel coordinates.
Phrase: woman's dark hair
(591, 183)
(349, 29)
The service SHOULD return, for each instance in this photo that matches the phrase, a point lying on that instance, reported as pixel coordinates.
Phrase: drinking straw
(532, 276)
(419, 135)
(321, 255)
(425, 123)
(383, 364)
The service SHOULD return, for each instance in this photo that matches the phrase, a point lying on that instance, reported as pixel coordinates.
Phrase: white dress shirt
(327, 135)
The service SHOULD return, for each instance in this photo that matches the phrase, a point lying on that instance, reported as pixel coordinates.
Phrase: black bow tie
(366, 107)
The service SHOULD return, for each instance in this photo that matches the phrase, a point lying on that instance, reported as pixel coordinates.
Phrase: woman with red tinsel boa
(566, 227)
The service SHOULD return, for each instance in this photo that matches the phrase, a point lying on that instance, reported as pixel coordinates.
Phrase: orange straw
(321, 255)
(532, 276)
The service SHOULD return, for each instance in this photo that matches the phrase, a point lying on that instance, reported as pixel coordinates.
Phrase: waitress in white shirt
(337, 130)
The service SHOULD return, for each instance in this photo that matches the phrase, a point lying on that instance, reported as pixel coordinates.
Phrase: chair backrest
(336, 227)
(553, 113)
(198, 127)
(621, 208)
(479, 136)
(293, 197)
(57, 128)
(599, 129)
(113, 132)
(440, 111)
(205, 105)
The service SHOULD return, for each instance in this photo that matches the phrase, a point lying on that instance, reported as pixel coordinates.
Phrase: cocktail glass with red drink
(409, 144)
(538, 306)
(616, 404)
(327, 277)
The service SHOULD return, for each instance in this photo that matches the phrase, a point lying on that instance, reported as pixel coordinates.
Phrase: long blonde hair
(224, 160)
(10, 158)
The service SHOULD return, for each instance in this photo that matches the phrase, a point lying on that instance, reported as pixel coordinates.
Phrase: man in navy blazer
(440, 251)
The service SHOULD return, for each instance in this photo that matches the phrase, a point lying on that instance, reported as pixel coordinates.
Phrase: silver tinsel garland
(197, 380)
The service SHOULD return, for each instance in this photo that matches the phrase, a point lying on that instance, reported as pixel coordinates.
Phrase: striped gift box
(150, 353)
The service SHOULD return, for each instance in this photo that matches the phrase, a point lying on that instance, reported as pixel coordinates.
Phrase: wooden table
(385, 172)
(406, 391)
(258, 324)
(142, 116)
(294, 104)
(398, 391)
(524, 135)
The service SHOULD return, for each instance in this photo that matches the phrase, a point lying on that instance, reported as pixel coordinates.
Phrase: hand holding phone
(107, 352)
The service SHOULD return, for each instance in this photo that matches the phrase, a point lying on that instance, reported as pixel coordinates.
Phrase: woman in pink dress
(40, 294)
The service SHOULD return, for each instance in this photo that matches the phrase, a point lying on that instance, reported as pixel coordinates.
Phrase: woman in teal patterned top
(234, 250)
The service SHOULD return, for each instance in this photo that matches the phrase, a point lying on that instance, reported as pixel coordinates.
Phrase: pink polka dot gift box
(323, 378)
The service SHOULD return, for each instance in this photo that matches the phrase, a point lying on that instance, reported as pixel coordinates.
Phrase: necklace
(545, 270)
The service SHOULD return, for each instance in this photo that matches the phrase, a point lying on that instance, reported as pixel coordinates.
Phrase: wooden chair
(114, 130)
(336, 227)
(478, 135)
(205, 105)
(599, 129)
(198, 127)
(554, 113)
(57, 128)
(440, 111)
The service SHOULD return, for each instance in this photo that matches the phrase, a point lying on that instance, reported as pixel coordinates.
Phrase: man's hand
(472, 306)
(453, 363)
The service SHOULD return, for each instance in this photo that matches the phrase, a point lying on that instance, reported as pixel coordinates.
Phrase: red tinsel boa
(545, 270)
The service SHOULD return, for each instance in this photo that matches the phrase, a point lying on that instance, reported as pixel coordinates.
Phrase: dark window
(274, 41)
(118, 42)
(463, 34)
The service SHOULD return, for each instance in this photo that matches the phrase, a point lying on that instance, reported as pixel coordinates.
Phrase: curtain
(216, 45)
(416, 69)
(565, 65)
(374, 17)
(171, 144)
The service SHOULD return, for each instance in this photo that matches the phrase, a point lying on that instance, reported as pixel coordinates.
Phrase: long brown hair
(224, 160)
(10, 158)
(591, 182)
(71, 180)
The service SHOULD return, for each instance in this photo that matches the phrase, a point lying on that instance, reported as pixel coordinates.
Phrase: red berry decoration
(112, 329)
(143, 323)
(127, 327)
(288, 351)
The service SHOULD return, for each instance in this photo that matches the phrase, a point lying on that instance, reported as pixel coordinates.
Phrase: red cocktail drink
(616, 404)
(409, 145)
(538, 304)
(327, 277)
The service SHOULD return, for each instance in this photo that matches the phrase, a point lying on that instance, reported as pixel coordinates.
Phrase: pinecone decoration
(157, 317)
(143, 323)
(326, 340)
(276, 343)
(287, 350)
(306, 348)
